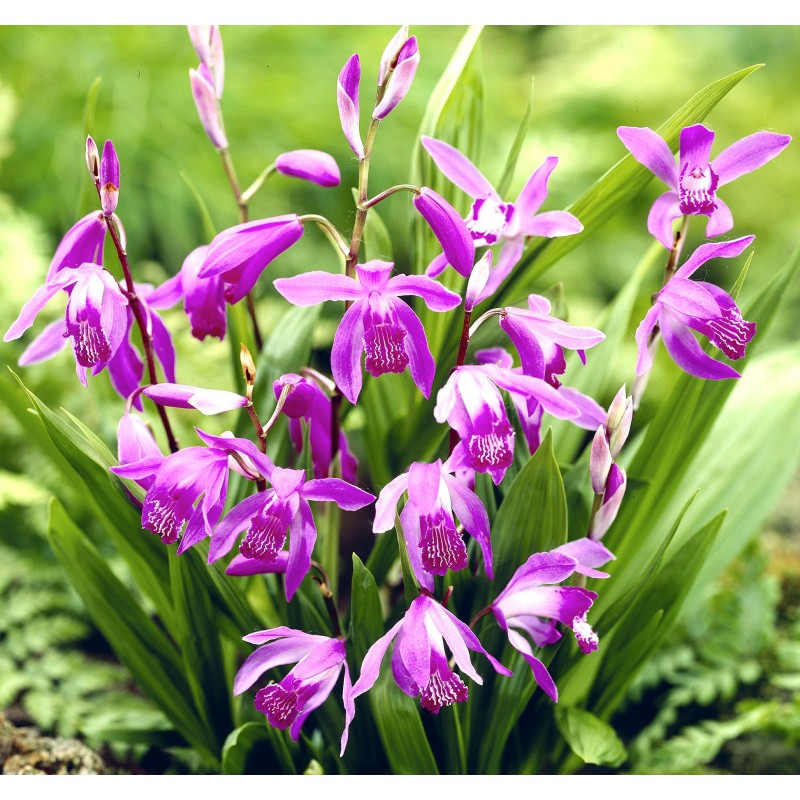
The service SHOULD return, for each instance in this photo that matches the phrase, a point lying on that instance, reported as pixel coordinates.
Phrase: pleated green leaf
(255, 748)
(595, 741)
(618, 187)
(366, 618)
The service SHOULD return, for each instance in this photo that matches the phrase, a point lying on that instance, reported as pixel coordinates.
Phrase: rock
(23, 751)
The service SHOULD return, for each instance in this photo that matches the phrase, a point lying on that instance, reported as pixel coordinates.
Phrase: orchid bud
(205, 99)
(207, 43)
(612, 499)
(310, 165)
(448, 228)
(206, 401)
(92, 159)
(599, 461)
(400, 80)
(391, 53)
(135, 443)
(618, 421)
(347, 100)
(477, 281)
(109, 179)
(248, 368)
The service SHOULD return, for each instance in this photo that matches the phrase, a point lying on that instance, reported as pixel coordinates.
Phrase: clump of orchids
(490, 404)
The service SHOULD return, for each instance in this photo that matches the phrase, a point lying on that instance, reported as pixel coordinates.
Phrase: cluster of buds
(608, 478)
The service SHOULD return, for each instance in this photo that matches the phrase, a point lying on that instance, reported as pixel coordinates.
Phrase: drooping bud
(477, 281)
(206, 401)
(347, 100)
(612, 499)
(109, 179)
(400, 80)
(448, 228)
(205, 98)
(298, 402)
(599, 461)
(618, 421)
(310, 165)
(92, 159)
(391, 53)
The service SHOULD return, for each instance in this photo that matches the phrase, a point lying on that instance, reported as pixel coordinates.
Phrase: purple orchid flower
(242, 566)
(471, 404)
(203, 298)
(318, 660)
(309, 402)
(400, 71)
(540, 339)
(434, 545)
(530, 604)
(310, 165)
(448, 228)
(378, 323)
(240, 254)
(81, 244)
(694, 180)
(683, 306)
(419, 663)
(491, 220)
(268, 515)
(347, 100)
(180, 480)
(135, 443)
(96, 319)
(530, 412)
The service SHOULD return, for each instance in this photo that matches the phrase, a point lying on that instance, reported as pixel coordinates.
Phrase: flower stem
(141, 322)
(462, 354)
(242, 201)
(401, 187)
(323, 582)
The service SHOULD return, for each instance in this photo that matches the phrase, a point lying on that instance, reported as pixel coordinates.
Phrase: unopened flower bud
(400, 80)
(109, 179)
(92, 159)
(205, 98)
(599, 461)
(347, 100)
(477, 281)
(310, 165)
(390, 54)
(248, 368)
(207, 42)
(618, 421)
(298, 401)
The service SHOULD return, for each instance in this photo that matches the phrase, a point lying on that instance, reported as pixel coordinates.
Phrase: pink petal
(348, 344)
(659, 220)
(748, 154)
(457, 168)
(649, 149)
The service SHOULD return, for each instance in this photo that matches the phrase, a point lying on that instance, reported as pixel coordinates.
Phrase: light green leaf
(595, 741)
(516, 147)
(255, 748)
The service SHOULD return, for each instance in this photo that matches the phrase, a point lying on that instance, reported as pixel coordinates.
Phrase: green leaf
(533, 516)
(209, 228)
(595, 741)
(399, 726)
(252, 747)
(199, 642)
(618, 187)
(366, 617)
(139, 643)
(516, 147)
(90, 460)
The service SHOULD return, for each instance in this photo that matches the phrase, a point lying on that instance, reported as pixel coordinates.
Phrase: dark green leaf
(255, 748)
(366, 618)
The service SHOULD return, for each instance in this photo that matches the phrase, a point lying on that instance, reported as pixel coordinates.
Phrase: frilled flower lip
(432, 491)
(374, 297)
(684, 305)
(694, 179)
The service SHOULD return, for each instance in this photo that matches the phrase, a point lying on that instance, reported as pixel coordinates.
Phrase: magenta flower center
(385, 349)
(265, 536)
(442, 689)
(442, 547)
(90, 343)
(585, 635)
(697, 189)
(489, 219)
(730, 333)
(492, 449)
(281, 705)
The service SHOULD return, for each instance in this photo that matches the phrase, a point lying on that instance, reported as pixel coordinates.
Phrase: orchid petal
(448, 228)
(664, 211)
(470, 511)
(348, 344)
(649, 149)
(311, 288)
(552, 224)
(335, 490)
(687, 353)
(420, 360)
(748, 154)
(370, 667)
(235, 521)
(241, 565)
(644, 359)
(48, 343)
(711, 250)
(435, 296)
(301, 544)
(720, 220)
(534, 192)
(458, 169)
(695, 147)
(386, 504)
